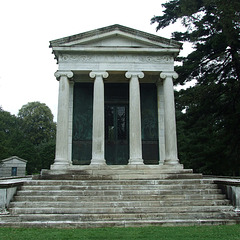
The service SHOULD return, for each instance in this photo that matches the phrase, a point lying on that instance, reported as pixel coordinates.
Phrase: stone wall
(230, 187)
(7, 190)
(7, 165)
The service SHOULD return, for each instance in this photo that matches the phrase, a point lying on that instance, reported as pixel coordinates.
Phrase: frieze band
(115, 58)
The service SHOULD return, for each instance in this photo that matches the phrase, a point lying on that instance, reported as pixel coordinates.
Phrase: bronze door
(116, 134)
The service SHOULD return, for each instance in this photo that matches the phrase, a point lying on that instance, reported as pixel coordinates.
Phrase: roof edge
(149, 36)
(13, 157)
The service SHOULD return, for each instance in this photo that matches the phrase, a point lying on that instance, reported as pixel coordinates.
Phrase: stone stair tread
(97, 198)
(119, 182)
(143, 203)
(124, 223)
(117, 198)
(120, 216)
(102, 210)
(117, 187)
(98, 192)
(133, 176)
(87, 169)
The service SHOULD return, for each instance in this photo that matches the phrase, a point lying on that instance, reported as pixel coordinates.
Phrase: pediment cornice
(115, 35)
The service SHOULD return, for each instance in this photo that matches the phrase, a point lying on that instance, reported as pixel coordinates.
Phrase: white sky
(27, 65)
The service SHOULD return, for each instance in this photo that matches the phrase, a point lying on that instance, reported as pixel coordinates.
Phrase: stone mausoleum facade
(116, 99)
(13, 167)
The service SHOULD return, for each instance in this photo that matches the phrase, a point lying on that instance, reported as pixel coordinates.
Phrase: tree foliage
(30, 135)
(209, 112)
(37, 122)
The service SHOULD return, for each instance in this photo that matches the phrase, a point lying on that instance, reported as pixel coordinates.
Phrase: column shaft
(98, 118)
(70, 129)
(161, 125)
(62, 136)
(135, 134)
(170, 119)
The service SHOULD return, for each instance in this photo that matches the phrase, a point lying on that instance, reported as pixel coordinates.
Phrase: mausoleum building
(116, 99)
(116, 161)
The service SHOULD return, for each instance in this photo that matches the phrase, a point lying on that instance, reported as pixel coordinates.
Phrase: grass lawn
(153, 233)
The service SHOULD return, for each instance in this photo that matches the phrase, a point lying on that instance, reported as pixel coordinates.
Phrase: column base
(171, 162)
(161, 162)
(135, 161)
(98, 162)
(60, 166)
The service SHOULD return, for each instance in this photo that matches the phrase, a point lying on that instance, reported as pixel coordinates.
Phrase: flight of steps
(100, 198)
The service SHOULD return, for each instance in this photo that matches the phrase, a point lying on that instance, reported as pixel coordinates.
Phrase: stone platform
(119, 196)
(108, 172)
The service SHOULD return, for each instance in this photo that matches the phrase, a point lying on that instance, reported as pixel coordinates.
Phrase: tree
(38, 127)
(12, 139)
(8, 129)
(37, 122)
(30, 136)
(211, 108)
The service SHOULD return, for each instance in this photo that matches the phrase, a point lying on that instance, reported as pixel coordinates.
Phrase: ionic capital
(172, 74)
(68, 74)
(131, 74)
(95, 74)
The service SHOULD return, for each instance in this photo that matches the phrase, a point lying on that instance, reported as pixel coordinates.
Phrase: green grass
(153, 233)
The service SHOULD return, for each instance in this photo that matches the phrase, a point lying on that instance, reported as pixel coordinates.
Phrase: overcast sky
(27, 65)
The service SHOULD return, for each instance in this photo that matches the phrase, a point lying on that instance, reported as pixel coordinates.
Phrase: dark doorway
(82, 123)
(14, 171)
(116, 124)
(116, 134)
(149, 121)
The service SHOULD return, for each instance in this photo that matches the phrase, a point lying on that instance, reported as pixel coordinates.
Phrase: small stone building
(13, 166)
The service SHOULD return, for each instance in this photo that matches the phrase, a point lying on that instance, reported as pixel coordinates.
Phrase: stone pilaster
(161, 125)
(135, 134)
(98, 118)
(171, 155)
(62, 139)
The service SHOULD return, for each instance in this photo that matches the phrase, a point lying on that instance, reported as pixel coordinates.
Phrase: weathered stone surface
(7, 165)
(117, 53)
(107, 203)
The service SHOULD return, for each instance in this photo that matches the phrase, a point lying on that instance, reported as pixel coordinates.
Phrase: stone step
(145, 197)
(117, 182)
(122, 192)
(114, 169)
(133, 167)
(117, 187)
(123, 210)
(111, 171)
(120, 204)
(120, 216)
(133, 176)
(123, 223)
(98, 198)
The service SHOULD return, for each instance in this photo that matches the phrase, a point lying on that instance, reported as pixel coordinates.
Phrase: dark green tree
(8, 130)
(12, 139)
(37, 122)
(209, 112)
(30, 136)
(38, 126)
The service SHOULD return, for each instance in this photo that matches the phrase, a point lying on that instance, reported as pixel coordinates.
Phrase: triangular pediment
(13, 158)
(115, 36)
(113, 39)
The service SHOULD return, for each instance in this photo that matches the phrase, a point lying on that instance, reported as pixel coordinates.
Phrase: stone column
(70, 129)
(135, 134)
(161, 127)
(98, 118)
(62, 139)
(171, 156)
